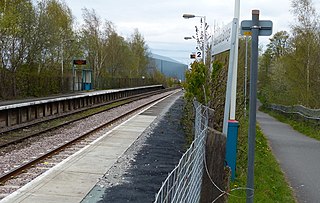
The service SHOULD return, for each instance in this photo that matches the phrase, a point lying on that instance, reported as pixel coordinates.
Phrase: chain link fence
(312, 114)
(184, 182)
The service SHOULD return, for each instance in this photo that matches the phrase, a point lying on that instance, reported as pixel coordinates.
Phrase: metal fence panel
(313, 114)
(183, 184)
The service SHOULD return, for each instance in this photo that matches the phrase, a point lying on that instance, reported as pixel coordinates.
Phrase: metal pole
(204, 41)
(211, 56)
(62, 60)
(253, 103)
(62, 65)
(73, 75)
(232, 77)
(230, 74)
(235, 63)
(245, 78)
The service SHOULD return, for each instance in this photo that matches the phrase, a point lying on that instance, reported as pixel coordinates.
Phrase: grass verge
(270, 184)
(306, 127)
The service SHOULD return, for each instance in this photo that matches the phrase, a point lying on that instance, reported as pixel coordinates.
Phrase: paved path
(298, 155)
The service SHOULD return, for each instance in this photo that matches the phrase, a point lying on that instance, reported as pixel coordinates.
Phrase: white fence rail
(183, 184)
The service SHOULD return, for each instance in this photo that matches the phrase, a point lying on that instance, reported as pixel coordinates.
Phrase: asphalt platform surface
(139, 172)
(298, 156)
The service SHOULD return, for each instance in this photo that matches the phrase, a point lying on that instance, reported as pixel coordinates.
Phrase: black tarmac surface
(298, 156)
(138, 174)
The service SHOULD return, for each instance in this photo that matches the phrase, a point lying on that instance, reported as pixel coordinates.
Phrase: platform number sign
(199, 54)
(196, 55)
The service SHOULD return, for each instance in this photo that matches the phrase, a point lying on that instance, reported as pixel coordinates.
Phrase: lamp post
(62, 64)
(204, 42)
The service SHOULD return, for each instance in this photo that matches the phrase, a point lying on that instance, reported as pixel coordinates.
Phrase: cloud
(161, 21)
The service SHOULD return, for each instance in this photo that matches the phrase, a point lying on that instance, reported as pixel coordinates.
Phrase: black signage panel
(79, 62)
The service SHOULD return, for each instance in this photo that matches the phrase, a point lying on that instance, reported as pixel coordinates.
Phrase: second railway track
(25, 165)
(18, 135)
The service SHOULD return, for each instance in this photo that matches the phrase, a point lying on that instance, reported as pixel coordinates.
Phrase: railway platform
(72, 179)
(18, 113)
(31, 101)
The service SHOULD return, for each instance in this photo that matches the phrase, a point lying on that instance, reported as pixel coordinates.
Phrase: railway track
(32, 130)
(24, 167)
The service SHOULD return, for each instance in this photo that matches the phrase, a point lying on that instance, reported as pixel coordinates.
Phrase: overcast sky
(163, 28)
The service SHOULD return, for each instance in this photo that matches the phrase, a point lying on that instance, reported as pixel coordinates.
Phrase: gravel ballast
(139, 172)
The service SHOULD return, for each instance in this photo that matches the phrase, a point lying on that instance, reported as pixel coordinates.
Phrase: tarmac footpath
(71, 180)
(298, 156)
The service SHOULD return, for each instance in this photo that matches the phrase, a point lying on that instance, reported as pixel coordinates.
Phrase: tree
(53, 26)
(277, 48)
(195, 85)
(139, 50)
(278, 45)
(289, 72)
(94, 41)
(305, 55)
(118, 57)
(15, 35)
(37, 40)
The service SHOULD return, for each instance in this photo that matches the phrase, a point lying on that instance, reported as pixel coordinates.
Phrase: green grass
(308, 128)
(270, 184)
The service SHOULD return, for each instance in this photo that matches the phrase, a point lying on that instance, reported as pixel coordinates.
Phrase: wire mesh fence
(183, 184)
(313, 114)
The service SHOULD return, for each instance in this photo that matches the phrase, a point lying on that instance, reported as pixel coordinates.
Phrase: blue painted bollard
(231, 148)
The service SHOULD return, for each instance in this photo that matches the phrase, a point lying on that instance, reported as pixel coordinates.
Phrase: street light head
(187, 16)
(187, 38)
